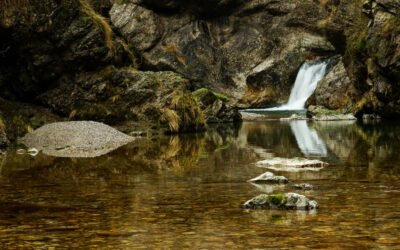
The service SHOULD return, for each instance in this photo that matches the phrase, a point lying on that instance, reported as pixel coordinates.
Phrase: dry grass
(99, 21)
(184, 113)
(188, 110)
(171, 118)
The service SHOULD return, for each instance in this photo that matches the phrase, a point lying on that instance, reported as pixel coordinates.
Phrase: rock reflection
(268, 188)
(281, 217)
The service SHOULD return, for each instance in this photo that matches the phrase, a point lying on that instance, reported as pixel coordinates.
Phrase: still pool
(186, 191)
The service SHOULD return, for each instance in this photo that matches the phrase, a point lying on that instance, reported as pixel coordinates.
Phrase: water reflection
(185, 192)
(307, 139)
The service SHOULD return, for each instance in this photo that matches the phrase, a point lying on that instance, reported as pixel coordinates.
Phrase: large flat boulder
(75, 139)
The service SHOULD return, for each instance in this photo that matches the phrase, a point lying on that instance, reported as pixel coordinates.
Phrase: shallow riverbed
(186, 191)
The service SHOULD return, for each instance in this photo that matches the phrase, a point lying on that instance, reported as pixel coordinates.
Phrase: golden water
(186, 192)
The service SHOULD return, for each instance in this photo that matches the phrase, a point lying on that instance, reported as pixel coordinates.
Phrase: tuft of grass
(128, 50)
(100, 21)
(171, 118)
(187, 108)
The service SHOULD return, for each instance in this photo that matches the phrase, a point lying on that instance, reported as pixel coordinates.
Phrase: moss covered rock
(320, 113)
(217, 108)
(288, 201)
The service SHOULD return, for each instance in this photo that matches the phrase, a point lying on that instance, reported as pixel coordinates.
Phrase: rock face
(77, 64)
(334, 89)
(64, 38)
(216, 107)
(115, 96)
(288, 201)
(272, 37)
(75, 139)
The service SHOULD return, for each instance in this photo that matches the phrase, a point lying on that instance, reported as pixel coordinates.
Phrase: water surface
(186, 191)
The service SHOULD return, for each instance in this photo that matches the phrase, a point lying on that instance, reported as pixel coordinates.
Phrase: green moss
(276, 199)
(100, 21)
(201, 92)
(221, 97)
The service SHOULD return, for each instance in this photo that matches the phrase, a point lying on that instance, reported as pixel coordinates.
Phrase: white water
(304, 86)
(307, 139)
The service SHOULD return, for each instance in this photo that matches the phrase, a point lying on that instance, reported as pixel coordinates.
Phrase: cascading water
(304, 86)
(307, 139)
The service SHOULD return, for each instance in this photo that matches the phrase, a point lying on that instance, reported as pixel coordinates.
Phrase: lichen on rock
(286, 201)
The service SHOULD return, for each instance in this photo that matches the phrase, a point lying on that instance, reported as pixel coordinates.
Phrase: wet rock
(303, 186)
(320, 113)
(294, 117)
(288, 201)
(247, 116)
(331, 91)
(269, 177)
(75, 139)
(65, 37)
(292, 164)
(138, 25)
(121, 96)
(217, 108)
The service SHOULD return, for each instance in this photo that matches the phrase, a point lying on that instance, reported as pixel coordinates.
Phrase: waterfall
(307, 139)
(304, 86)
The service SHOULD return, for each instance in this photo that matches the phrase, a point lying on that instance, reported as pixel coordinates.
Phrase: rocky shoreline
(174, 66)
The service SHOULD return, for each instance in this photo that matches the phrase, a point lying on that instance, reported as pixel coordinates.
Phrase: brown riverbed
(186, 192)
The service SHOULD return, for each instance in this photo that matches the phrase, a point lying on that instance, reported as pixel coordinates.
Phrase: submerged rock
(288, 201)
(247, 116)
(269, 177)
(75, 139)
(294, 117)
(293, 164)
(303, 186)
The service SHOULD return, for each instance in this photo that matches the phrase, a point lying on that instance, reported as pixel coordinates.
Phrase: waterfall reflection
(307, 139)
